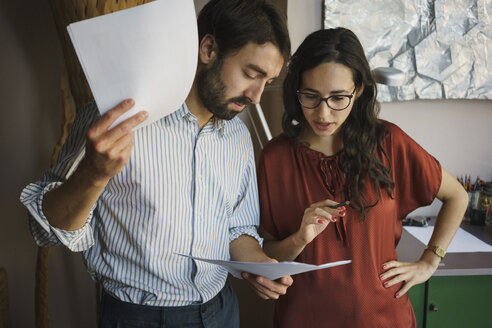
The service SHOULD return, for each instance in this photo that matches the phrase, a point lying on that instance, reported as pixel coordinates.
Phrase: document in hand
(271, 271)
(148, 53)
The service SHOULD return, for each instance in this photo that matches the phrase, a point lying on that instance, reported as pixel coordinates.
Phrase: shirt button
(199, 176)
(199, 213)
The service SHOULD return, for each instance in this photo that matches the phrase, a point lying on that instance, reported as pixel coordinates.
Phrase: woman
(335, 149)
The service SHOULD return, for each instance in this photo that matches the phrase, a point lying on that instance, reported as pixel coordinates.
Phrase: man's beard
(211, 90)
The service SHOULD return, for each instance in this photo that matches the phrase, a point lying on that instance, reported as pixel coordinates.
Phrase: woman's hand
(454, 200)
(410, 273)
(316, 218)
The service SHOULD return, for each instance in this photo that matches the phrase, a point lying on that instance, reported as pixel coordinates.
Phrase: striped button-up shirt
(183, 191)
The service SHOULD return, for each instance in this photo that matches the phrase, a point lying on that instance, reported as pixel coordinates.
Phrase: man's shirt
(183, 191)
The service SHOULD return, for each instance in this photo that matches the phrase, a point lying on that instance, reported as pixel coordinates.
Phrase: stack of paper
(148, 53)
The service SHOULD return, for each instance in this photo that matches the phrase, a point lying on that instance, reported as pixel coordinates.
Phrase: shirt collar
(179, 114)
(184, 113)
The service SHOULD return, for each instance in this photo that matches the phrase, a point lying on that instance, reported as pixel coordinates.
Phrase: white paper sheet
(463, 241)
(148, 53)
(271, 271)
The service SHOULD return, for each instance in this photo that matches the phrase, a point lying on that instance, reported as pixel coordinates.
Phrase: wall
(30, 66)
(457, 132)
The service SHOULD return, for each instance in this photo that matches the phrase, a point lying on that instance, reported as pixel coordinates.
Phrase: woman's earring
(294, 122)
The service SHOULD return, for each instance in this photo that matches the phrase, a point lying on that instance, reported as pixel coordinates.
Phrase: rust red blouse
(291, 177)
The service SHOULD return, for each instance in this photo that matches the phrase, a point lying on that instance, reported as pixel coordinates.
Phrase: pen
(476, 186)
(460, 180)
(339, 205)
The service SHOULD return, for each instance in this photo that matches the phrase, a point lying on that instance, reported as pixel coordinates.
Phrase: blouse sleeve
(416, 173)
(266, 217)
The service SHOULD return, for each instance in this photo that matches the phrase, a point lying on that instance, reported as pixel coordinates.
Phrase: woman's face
(325, 80)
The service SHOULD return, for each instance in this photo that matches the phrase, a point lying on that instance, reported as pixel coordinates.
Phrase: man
(185, 184)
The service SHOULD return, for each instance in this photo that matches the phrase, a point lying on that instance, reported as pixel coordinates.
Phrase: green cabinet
(417, 297)
(453, 301)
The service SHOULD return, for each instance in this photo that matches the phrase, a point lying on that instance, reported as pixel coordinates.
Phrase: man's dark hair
(234, 23)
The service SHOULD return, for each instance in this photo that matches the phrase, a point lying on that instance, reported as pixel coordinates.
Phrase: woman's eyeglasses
(335, 102)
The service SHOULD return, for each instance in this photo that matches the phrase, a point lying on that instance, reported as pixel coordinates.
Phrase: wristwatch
(437, 250)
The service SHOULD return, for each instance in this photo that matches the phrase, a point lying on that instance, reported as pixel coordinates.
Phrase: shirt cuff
(251, 231)
(76, 240)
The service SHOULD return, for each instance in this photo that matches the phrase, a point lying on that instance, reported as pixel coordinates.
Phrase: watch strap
(436, 250)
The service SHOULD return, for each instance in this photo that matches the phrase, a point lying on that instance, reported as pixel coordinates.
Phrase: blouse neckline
(312, 152)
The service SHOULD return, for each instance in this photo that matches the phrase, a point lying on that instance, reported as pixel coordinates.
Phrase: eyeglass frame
(350, 96)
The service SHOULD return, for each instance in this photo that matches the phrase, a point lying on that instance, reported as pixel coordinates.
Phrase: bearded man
(185, 184)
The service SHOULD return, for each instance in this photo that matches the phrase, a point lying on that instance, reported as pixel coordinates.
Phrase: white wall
(457, 132)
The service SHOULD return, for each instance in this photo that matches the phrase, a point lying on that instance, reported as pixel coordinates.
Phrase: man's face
(228, 84)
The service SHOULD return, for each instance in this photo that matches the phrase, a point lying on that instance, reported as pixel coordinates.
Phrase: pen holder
(480, 203)
(486, 204)
(477, 217)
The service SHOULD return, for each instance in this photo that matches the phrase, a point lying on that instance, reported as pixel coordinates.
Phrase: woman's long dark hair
(362, 132)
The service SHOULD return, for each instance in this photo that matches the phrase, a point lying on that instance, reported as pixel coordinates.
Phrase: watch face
(437, 250)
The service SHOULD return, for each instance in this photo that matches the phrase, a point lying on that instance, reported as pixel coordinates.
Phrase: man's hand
(266, 288)
(108, 151)
(68, 206)
(246, 249)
